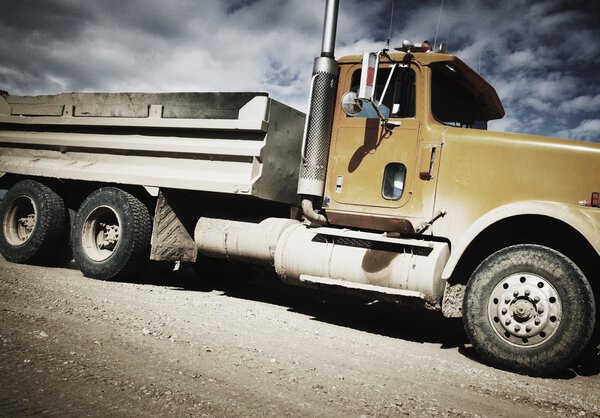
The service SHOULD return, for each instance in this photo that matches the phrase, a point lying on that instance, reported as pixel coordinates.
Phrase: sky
(541, 56)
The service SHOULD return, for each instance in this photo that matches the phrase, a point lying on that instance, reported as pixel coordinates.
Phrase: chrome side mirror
(351, 105)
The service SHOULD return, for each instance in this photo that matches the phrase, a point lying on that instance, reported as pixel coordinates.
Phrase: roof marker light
(409, 46)
(406, 45)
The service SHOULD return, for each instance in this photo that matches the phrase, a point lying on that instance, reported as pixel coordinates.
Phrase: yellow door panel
(360, 157)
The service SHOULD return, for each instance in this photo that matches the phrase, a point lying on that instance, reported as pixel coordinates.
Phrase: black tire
(529, 309)
(111, 235)
(62, 253)
(34, 224)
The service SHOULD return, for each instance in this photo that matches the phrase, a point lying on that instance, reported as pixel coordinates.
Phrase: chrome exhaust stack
(319, 120)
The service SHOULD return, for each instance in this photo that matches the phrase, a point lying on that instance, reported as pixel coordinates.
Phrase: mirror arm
(381, 117)
(389, 126)
(387, 84)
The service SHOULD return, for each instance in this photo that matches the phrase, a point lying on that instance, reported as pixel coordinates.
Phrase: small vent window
(394, 177)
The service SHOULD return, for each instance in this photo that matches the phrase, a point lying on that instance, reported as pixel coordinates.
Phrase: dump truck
(390, 187)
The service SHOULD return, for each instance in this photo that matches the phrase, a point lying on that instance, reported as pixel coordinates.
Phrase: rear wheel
(111, 234)
(529, 309)
(34, 224)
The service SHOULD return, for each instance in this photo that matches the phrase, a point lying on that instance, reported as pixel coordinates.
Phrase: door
(377, 171)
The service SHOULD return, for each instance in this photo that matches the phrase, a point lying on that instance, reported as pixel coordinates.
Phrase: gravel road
(73, 346)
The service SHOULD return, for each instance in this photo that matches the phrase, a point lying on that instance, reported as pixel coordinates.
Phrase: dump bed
(244, 143)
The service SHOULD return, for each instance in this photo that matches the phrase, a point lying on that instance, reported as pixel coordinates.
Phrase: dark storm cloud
(46, 45)
(540, 55)
(59, 19)
(26, 28)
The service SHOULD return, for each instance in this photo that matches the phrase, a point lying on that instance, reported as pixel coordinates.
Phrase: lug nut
(540, 309)
(536, 299)
(507, 300)
(527, 328)
(527, 293)
(507, 322)
(517, 328)
(537, 321)
(504, 311)
(516, 293)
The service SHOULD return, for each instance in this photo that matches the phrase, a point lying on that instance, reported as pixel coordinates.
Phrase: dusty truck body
(389, 187)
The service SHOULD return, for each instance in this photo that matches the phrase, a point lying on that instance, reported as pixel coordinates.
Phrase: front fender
(586, 220)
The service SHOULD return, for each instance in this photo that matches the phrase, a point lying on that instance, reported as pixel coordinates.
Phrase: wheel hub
(525, 310)
(107, 237)
(101, 232)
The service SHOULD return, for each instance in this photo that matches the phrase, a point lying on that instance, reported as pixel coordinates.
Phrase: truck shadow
(372, 316)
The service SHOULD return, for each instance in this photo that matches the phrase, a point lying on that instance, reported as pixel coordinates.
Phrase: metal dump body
(244, 143)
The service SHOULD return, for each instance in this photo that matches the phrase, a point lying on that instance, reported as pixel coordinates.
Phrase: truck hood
(502, 168)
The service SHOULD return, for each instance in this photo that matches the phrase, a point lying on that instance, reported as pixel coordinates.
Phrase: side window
(399, 100)
(394, 177)
(454, 102)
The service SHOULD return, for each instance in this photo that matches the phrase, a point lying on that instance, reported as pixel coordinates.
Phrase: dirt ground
(72, 346)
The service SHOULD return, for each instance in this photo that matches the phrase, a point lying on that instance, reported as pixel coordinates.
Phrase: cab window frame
(450, 94)
(391, 180)
(392, 95)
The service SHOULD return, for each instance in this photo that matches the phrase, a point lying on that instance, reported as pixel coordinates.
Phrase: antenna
(387, 45)
(438, 26)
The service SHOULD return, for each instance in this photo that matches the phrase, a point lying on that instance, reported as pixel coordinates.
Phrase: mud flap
(170, 239)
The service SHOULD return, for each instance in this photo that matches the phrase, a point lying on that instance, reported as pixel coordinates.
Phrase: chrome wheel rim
(525, 310)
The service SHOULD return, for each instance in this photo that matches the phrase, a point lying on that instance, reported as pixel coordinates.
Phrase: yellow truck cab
(425, 165)
(379, 173)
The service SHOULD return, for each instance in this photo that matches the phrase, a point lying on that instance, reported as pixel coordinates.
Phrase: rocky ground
(72, 346)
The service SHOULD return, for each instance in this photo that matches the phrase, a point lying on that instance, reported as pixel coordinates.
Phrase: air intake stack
(317, 133)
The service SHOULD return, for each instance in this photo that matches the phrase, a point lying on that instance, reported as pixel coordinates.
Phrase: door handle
(427, 160)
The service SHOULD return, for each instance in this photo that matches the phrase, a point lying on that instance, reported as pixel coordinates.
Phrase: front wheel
(111, 234)
(529, 309)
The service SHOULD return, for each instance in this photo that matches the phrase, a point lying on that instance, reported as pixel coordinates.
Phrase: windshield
(453, 98)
